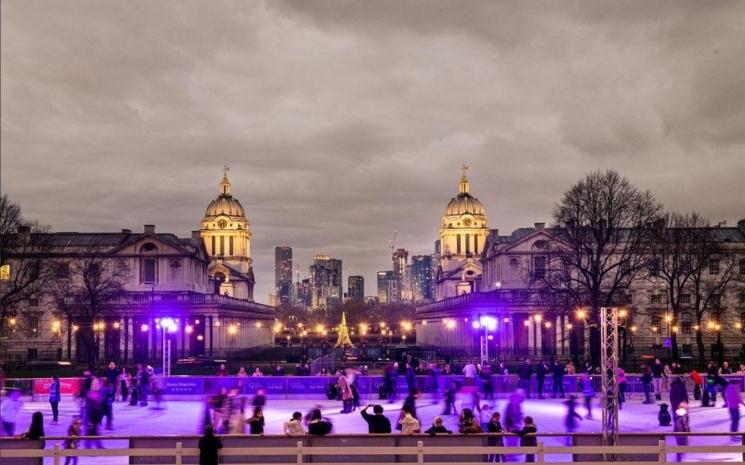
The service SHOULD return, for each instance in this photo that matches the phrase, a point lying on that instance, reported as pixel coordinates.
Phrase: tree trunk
(674, 346)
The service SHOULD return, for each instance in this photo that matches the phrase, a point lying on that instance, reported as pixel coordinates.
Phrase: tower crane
(392, 242)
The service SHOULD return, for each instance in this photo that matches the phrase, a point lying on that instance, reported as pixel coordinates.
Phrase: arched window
(514, 266)
(148, 247)
(457, 245)
(219, 279)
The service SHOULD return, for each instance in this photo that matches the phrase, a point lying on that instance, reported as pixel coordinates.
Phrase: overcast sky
(344, 121)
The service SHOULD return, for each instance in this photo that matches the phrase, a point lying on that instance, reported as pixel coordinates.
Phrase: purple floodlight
(488, 323)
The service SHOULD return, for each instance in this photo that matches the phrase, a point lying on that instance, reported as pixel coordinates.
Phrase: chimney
(196, 235)
(539, 226)
(149, 229)
(126, 231)
(723, 224)
(24, 234)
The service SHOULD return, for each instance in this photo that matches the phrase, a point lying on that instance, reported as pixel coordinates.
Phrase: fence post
(540, 452)
(179, 453)
(56, 454)
(300, 452)
(419, 452)
(663, 452)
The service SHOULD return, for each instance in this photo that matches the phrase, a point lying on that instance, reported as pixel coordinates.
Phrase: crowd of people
(229, 411)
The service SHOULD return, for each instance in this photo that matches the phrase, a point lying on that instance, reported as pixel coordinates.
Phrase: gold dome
(464, 202)
(225, 203)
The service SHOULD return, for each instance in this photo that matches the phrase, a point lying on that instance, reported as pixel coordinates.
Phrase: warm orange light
(654, 329)
(668, 318)
(116, 325)
(633, 329)
(189, 329)
(258, 324)
(232, 329)
(623, 313)
(526, 322)
(200, 338)
(538, 317)
(570, 326)
(581, 314)
(547, 324)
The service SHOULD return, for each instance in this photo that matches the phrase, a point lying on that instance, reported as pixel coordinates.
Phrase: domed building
(227, 238)
(463, 233)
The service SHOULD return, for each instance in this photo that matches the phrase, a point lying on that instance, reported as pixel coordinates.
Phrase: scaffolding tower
(609, 374)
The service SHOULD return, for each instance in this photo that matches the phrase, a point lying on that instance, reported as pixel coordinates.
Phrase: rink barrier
(636, 448)
(287, 387)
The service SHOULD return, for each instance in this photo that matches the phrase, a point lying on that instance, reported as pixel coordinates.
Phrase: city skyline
(94, 141)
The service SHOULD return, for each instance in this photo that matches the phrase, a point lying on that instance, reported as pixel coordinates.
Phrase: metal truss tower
(609, 374)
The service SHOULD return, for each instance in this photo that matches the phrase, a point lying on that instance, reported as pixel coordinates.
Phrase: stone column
(538, 336)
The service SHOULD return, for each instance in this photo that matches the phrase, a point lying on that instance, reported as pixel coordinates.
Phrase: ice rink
(184, 418)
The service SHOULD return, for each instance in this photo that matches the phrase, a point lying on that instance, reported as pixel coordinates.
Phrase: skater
(570, 420)
(678, 394)
(9, 409)
(495, 427)
(470, 371)
(540, 374)
(407, 422)
(681, 425)
(435, 373)
(209, 445)
(111, 374)
(54, 398)
(94, 411)
(376, 423)
(589, 393)
(125, 379)
(698, 382)
(486, 381)
(72, 441)
(504, 375)
(391, 375)
(143, 384)
(557, 372)
(647, 383)
(294, 427)
(657, 373)
(733, 399)
(450, 393)
(513, 416)
(527, 437)
(347, 397)
(437, 428)
(621, 374)
(525, 372)
(36, 428)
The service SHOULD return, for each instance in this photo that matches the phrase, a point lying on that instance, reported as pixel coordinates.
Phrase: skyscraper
(401, 275)
(283, 274)
(422, 278)
(386, 287)
(356, 288)
(325, 280)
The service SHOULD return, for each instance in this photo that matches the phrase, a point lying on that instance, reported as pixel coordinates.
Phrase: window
(32, 330)
(213, 251)
(222, 245)
(514, 266)
(685, 299)
(742, 267)
(741, 298)
(34, 270)
(654, 268)
(539, 267)
(63, 271)
(656, 299)
(93, 271)
(742, 323)
(716, 300)
(33, 302)
(148, 271)
(624, 267)
(468, 243)
(5, 327)
(457, 244)
(713, 266)
(656, 321)
(148, 247)
(686, 327)
(476, 246)
(685, 265)
(231, 246)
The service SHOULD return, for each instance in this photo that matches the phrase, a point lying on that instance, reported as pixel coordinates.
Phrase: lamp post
(167, 325)
(487, 323)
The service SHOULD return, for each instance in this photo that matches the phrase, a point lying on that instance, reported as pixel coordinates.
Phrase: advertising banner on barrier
(68, 386)
(184, 386)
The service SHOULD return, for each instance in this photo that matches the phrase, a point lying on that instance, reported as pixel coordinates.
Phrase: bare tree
(602, 224)
(83, 290)
(22, 244)
(680, 245)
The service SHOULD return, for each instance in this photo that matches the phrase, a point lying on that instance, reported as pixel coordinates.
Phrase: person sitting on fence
(528, 438)
(437, 428)
(377, 423)
(208, 445)
(294, 427)
(72, 442)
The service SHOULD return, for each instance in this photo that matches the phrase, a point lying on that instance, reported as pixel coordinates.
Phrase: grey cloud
(343, 121)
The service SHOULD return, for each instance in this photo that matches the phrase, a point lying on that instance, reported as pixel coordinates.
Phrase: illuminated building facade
(283, 274)
(326, 281)
(356, 288)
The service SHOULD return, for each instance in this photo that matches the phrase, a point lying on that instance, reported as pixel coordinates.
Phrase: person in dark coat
(209, 445)
(377, 423)
(572, 418)
(524, 373)
(319, 426)
(557, 371)
(437, 428)
(495, 426)
(256, 422)
(54, 398)
(678, 394)
(540, 374)
(528, 438)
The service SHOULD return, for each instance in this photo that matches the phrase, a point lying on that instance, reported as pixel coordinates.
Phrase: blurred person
(319, 426)
(94, 412)
(495, 427)
(242, 372)
(588, 391)
(125, 380)
(436, 374)
(647, 383)
(256, 422)
(621, 379)
(524, 374)
(540, 374)
(222, 370)
(733, 399)
(571, 418)
(257, 373)
(36, 428)
(486, 381)
(678, 394)
(667, 374)
(347, 396)
(209, 445)
(111, 374)
(469, 370)
(450, 394)
(657, 373)
(557, 373)
(72, 440)
(468, 423)
(681, 424)
(408, 423)
(725, 369)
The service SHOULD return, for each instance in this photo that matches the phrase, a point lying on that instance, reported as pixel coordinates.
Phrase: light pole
(167, 325)
(487, 323)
